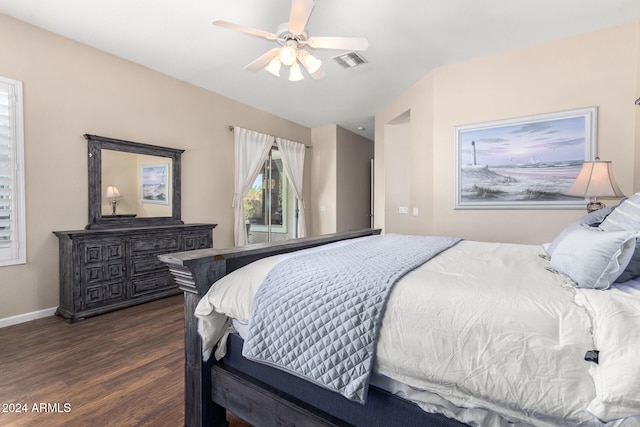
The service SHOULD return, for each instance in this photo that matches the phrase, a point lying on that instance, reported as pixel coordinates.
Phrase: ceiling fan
(294, 41)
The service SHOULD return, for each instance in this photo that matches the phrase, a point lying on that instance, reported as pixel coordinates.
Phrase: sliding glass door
(270, 206)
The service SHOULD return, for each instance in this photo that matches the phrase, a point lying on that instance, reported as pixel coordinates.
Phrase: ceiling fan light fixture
(293, 39)
(287, 53)
(274, 66)
(295, 73)
(310, 62)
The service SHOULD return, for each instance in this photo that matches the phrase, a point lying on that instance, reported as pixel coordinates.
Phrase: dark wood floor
(123, 368)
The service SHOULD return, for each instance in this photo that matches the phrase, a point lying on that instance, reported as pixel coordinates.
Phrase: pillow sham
(625, 217)
(593, 258)
(590, 219)
(633, 268)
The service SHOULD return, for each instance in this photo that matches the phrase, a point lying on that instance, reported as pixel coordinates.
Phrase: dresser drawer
(152, 283)
(154, 244)
(148, 263)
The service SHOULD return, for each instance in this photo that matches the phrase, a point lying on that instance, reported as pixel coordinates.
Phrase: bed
(489, 334)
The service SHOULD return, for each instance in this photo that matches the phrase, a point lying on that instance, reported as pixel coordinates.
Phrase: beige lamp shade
(595, 180)
(112, 192)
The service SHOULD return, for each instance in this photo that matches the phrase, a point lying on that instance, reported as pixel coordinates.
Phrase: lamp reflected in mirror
(114, 196)
(594, 180)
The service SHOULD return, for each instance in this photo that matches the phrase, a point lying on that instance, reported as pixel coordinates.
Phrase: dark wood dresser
(103, 270)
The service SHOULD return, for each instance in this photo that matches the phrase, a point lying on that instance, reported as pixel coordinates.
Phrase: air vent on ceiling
(350, 59)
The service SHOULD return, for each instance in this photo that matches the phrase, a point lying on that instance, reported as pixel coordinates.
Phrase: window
(12, 215)
(268, 205)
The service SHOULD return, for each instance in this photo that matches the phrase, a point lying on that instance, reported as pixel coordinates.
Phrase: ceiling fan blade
(343, 43)
(262, 61)
(299, 16)
(246, 30)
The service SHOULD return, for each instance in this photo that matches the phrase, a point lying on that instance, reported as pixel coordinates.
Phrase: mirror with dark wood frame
(132, 184)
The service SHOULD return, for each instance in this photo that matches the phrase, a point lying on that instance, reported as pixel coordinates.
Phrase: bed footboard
(195, 272)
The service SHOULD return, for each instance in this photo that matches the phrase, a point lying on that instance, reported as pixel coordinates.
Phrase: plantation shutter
(12, 247)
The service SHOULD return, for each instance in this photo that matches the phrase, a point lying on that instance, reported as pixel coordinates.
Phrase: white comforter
(483, 325)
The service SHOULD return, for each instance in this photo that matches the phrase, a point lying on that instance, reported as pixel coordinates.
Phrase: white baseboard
(21, 318)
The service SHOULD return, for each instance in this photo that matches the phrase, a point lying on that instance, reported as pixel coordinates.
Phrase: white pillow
(593, 258)
(625, 217)
(232, 295)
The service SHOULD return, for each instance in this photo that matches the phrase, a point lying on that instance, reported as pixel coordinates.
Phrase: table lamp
(113, 194)
(594, 180)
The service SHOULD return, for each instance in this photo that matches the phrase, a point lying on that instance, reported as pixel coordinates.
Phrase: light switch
(415, 211)
(403, 209)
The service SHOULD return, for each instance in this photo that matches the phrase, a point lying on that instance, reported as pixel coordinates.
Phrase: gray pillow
(592, 219)
(594, 258)
(633, 268)
(626, 218)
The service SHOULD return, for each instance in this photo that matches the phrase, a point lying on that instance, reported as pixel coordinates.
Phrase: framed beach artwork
(523, 163)
(154, 184)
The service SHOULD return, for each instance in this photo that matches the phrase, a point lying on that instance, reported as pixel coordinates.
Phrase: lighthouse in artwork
(473, 144)
(474, 164)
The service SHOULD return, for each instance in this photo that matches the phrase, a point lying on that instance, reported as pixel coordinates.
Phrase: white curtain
(251, 151)
(292, 154)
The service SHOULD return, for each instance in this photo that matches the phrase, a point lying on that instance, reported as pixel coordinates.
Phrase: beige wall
(596, 69)
(397, 155)
(323, 181)
(71, 89)
(403, 161)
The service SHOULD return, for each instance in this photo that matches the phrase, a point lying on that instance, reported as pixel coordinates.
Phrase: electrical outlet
(403, 209)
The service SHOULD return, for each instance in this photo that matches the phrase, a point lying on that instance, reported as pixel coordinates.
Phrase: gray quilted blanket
(317, 315)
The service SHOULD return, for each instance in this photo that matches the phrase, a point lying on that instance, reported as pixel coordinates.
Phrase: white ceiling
(407, 39)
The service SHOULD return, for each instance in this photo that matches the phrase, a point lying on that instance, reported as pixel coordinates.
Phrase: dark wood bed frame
(212, 387)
